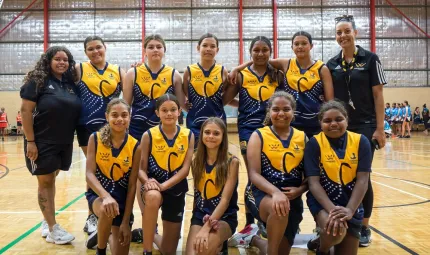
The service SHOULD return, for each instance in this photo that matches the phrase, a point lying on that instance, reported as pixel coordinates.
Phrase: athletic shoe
(262, 229)
(91, 223)
(137, 235)
(239, 238)
(408, 136)
(91, 242)
(59, 236)
(365, 237)
(86, 225)
(314, 243)
(44, 229)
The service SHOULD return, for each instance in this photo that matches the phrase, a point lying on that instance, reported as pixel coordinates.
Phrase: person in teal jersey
(215, 175)
(426, 118)
(337, 165)
(204, 84)
(407, 117)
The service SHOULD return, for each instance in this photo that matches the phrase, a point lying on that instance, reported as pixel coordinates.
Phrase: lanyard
(347, 69)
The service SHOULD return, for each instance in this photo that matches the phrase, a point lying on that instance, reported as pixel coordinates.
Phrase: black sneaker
(262, 229)
(408, 136)
(365, 237)
(92, 240)
(137, 235)
(86, 225)
(314, 243)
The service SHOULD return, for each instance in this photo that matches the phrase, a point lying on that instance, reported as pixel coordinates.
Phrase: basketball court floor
(400, 221)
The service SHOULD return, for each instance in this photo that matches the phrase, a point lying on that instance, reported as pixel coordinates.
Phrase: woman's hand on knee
(124, 234)
(151, 184)
(201, 241)
(110, 207)
(335, 227)
(342, 213)
(280, 204)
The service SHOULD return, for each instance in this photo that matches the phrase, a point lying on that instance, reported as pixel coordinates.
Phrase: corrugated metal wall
(402, 49)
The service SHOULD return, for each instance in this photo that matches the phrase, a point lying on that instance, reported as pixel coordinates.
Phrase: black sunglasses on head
(344, 18)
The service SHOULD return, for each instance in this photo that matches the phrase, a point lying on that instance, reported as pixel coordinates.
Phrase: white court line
(402, 191)
(407, 153)
(180, 244)
(412, 183)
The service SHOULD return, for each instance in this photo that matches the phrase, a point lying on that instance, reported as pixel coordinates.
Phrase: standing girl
(275, 158)
(337, 163)
(307, 80)
(204, 85)
(112, 167)
(3, 122)
(50, 112)
(407, 117)
(358, 80)
(167, 150)
(147, 82)
(99, 82)
(19, 123)
(255, 85)
(215, 174)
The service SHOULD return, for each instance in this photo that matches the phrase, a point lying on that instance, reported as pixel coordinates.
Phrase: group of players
(399, 117)
(290, 139)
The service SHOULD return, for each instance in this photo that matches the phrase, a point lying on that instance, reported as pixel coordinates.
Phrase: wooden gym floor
(400, 221)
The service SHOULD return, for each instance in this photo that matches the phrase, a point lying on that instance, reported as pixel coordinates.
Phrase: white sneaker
(244, 237)
(59, 236)
(92, 223)
(44, 229)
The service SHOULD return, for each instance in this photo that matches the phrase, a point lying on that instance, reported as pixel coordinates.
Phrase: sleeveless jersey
(205, 94)
(388, 112)
(3, 118)
(339, 169)
(114, 167)
(147, 88)
(96, 88)
(253, 96)
(18, 118)
(167, 156)
(282, 160)
(207, 195)
(307, 88)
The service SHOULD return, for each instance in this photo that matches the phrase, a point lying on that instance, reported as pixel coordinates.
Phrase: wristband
(30, 141)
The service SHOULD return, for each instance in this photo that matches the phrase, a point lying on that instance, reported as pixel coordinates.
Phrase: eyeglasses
(348, 18)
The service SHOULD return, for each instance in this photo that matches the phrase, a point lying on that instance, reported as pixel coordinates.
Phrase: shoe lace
(60, 230)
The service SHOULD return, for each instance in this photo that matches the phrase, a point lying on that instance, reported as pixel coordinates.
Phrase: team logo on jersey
(360, 65)
(353, 158)
(160, 148)
(104, 156)
(216, 78)
(274, 147)
(294, 72)
(296, 148)
(181, 149)
(91, 75)
(198, 77)
(126, 162)
(164, 80)
(71, 91)
(252, 82)
(312, 75)
(145, 78)
(329, 158)
(111, 76)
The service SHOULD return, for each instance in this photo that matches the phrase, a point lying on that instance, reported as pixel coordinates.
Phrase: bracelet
(30, 141)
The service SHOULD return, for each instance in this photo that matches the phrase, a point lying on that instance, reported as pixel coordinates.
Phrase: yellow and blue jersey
(114, 167)
(205, 94)
(254, 94)
(147, 87)
(306, 86)
(336, 162)
(96, 88)
(207, 195)
(166, 156)
(282, 160)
